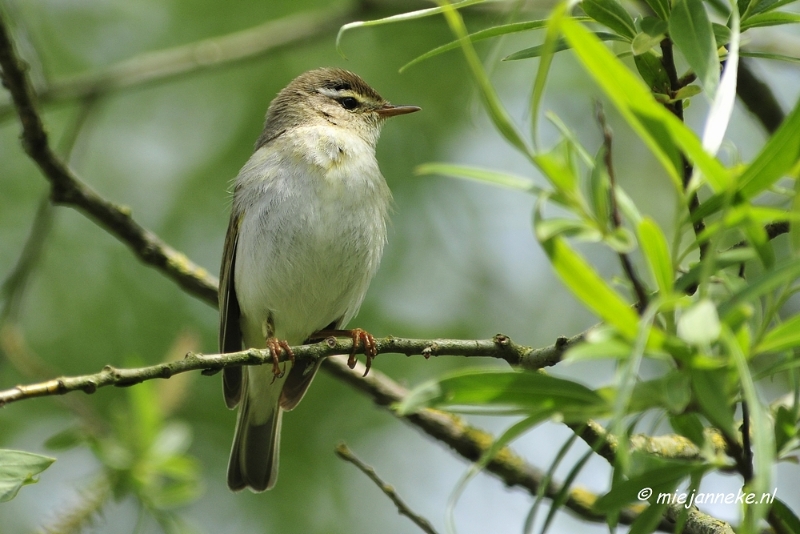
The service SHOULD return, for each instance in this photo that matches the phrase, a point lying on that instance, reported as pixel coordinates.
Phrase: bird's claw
(275, 347)
(367, 341)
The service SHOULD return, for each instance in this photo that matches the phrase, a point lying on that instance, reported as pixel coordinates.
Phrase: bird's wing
(230, 333)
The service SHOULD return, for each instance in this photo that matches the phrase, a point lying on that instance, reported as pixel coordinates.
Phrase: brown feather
(230, 334)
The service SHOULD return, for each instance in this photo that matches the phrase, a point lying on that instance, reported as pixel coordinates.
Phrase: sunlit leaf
(590, 288)
(656, 250)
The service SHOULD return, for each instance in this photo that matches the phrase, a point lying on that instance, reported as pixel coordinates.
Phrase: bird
(305, 237)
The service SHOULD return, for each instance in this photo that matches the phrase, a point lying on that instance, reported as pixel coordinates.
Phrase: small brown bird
(306, 234)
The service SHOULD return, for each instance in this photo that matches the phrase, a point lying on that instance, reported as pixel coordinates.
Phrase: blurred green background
(461, 259)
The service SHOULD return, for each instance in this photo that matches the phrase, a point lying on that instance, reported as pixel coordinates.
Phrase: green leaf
(656, 251)
(610, 13)
(66, 439)
(690, 30)
(590, 288)
(785, 272)
(785, 428)
(661, 8)
(530, 392)
(583, 230)
(486, 176)
(689, 426)
(711, 391)
(538, 50)
(643, 43)
(789, 520)
(502, 121)
(783, 337)
(412, 15)
(660, 479)
(760, 430)
(767, 5)
(494, 31)
(770, 19)
(17, 469)
(722, 34)
(664, 134)
(609, 348)
(652, 72)
(780, 155)
(766, 55)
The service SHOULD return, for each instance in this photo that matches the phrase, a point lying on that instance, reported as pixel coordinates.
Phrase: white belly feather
(305, 254)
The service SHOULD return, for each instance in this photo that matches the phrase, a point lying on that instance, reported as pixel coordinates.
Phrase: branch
(758, 97)
(67, 189)
(343, 452)
(471, 443)
(194, 57)
(500, 347)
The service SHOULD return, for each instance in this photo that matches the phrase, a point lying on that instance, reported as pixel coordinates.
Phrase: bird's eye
(349, 102)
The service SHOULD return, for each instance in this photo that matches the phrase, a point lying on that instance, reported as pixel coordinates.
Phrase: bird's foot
(275, 346)
(361, 339)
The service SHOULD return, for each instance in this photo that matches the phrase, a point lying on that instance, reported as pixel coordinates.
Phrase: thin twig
(616, 218)
(343, 452)
(676, 107)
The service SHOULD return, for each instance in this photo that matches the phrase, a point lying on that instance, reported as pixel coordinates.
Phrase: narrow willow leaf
(539, 84)
(656, 250)
(590, 288)
(561, 45)
(767, 5)
(659, 129)
(486, 176)
(657, 479)
(500, 117)
(790, 521)
(644, 42)
(528, 391)
(660, 8)
(689, 426)
(766, 55)
(786, 272)
(722, 34)
(495, 31)
(761, 432)
(770, 19)
(783, 337)
(611, 14)
(652, 72)
(412, 15)
(779, 157)
(690, 30)
(711, 391)
(719, 115)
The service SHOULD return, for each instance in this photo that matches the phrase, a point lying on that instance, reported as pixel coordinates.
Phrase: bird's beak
(388, 110)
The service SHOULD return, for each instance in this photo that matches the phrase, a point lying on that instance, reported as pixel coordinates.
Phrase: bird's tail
(256, 442)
